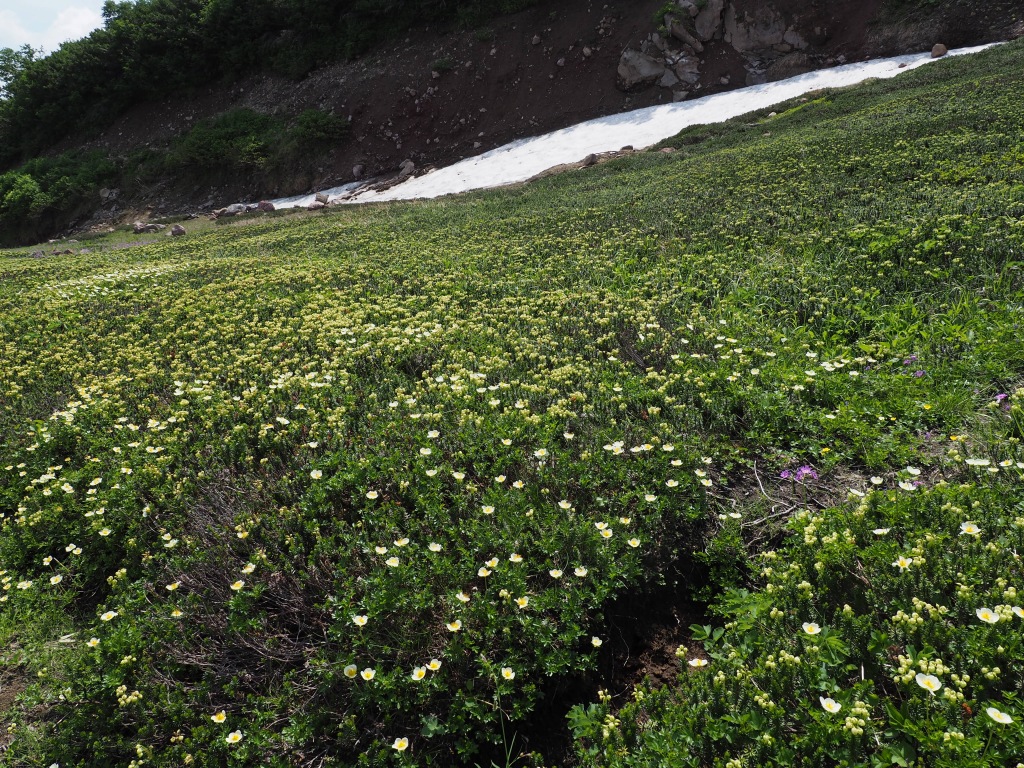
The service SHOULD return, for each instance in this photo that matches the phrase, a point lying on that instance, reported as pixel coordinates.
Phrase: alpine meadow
(399, 484)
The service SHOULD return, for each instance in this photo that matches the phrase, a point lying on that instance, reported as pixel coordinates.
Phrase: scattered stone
(587, 53)
(724, 80)
(316, 205)
(109, 195)
(177, 230)
(322, 197)
(141, 227)
(435, 74)
(939, 50)
(406, 169)
(667, 150)
(668, 79)
(687, 69)
(265, 205)
(358, 170)
(560, 62)
(589, 160)
(627, 148)
(637, 70)
(536, 40)
(38, 255)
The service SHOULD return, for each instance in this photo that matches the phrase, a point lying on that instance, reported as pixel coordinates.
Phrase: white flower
(987, 615)
(811, 628)
(830, 705)
(697, 663)
(316, 474)
(969, 529)
(880, 531)
(929, 682)
(999, 717)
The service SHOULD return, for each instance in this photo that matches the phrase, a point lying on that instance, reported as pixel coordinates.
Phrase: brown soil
(439, 95)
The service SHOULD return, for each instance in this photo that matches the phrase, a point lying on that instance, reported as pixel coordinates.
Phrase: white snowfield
(525, 158)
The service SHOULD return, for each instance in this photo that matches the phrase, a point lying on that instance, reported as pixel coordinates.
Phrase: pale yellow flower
(555, 573)
(237, 585)
(811, 628)
(507, 673)
(401, 744)
(234, 737)
(1000, 717)
(418, 673)
(359, 620)
(454, 626)
(371, 495)
(434, 665)
(351, 671)
(987, 615)
(220, 717)
(368, 673)
(515, 557)
(434, 546)
(522, 602)
(696, 663)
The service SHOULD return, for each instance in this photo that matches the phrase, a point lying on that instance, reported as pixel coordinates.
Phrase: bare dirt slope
(438, 95)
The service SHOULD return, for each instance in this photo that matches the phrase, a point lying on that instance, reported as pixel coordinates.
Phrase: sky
(47, 23)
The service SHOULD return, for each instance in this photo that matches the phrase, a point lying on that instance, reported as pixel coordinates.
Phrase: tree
(13, 63)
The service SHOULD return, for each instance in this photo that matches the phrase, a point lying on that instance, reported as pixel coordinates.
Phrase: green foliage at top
(150, 48)
(363, 488)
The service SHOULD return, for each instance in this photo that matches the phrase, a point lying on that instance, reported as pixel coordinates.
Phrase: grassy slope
(267, 395)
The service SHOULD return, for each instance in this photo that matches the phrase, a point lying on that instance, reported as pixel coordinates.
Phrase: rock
(709, 20)
(939, 50)
(754, 31)
(435, 75)
(316, 205)
(38, 255)
(322, 197)
(627, 148)
(560, 63)
(587, 53)
(536, 40)
(141, 227)
(177, 231)
(668, 79)
(406, 169)
(793, 38)
(266, 206)
(358, 170)
(637, 70)
(682, 34)
(687, 69)
(790, 65)
(589, 160)
(680, 95)
(109, 195)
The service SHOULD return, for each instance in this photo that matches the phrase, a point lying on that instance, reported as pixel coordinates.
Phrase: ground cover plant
(362, 488)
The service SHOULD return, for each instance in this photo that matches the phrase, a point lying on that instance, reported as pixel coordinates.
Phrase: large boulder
(406, 169)
(265, 205)
(177, 231)
(748, 31)
(939, 50)
(322, 197)
(637, 70)
(679, 31)
(687, 69)
(709, 20)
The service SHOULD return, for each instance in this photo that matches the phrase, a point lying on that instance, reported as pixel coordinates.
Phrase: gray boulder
(177, 231)
(322, 197)
(316, 205)
(406, 169)
(687, 69)
(637, 70)
(682, 34)
(763, 28)
(265, 205)
(709, 20)
(939, 50)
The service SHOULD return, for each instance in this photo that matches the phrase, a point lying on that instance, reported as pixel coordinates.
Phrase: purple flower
(909, 360)
(785, 474)
(804, 472)
(918, 374)
(1001, 396)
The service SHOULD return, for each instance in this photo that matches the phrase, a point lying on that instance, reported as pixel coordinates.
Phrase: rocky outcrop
(708, 20)
(637, 70)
